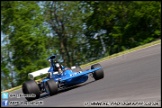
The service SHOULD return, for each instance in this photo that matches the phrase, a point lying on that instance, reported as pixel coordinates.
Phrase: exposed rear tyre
(77, 69)
(51, 87)
(98, 74)
(31, 87)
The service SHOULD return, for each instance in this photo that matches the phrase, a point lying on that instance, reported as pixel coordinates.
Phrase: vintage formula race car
(57, 80)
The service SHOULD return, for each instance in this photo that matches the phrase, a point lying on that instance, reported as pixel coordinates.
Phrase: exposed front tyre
(51, 87)
(98, 74)
(31, 87)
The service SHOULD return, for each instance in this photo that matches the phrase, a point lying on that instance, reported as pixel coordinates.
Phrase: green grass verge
(105, 58)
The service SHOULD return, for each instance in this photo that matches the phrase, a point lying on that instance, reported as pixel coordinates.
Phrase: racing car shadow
(45, 95)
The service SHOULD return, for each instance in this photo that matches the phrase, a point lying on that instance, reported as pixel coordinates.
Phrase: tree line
(78, 31)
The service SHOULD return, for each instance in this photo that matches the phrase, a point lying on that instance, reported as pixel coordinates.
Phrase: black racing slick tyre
(31, 87)
(77, 69)
(51, 87)
(98, 74)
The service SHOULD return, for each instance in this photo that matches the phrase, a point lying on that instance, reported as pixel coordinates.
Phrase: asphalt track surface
(133, 79)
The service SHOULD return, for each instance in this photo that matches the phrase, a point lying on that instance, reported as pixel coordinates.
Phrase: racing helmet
(58, 67)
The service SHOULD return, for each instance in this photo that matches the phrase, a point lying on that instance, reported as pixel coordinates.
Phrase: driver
(56, 67)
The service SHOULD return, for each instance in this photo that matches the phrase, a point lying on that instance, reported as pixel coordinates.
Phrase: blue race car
(58, 78)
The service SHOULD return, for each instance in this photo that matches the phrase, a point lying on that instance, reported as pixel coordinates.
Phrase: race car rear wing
(32, 75)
